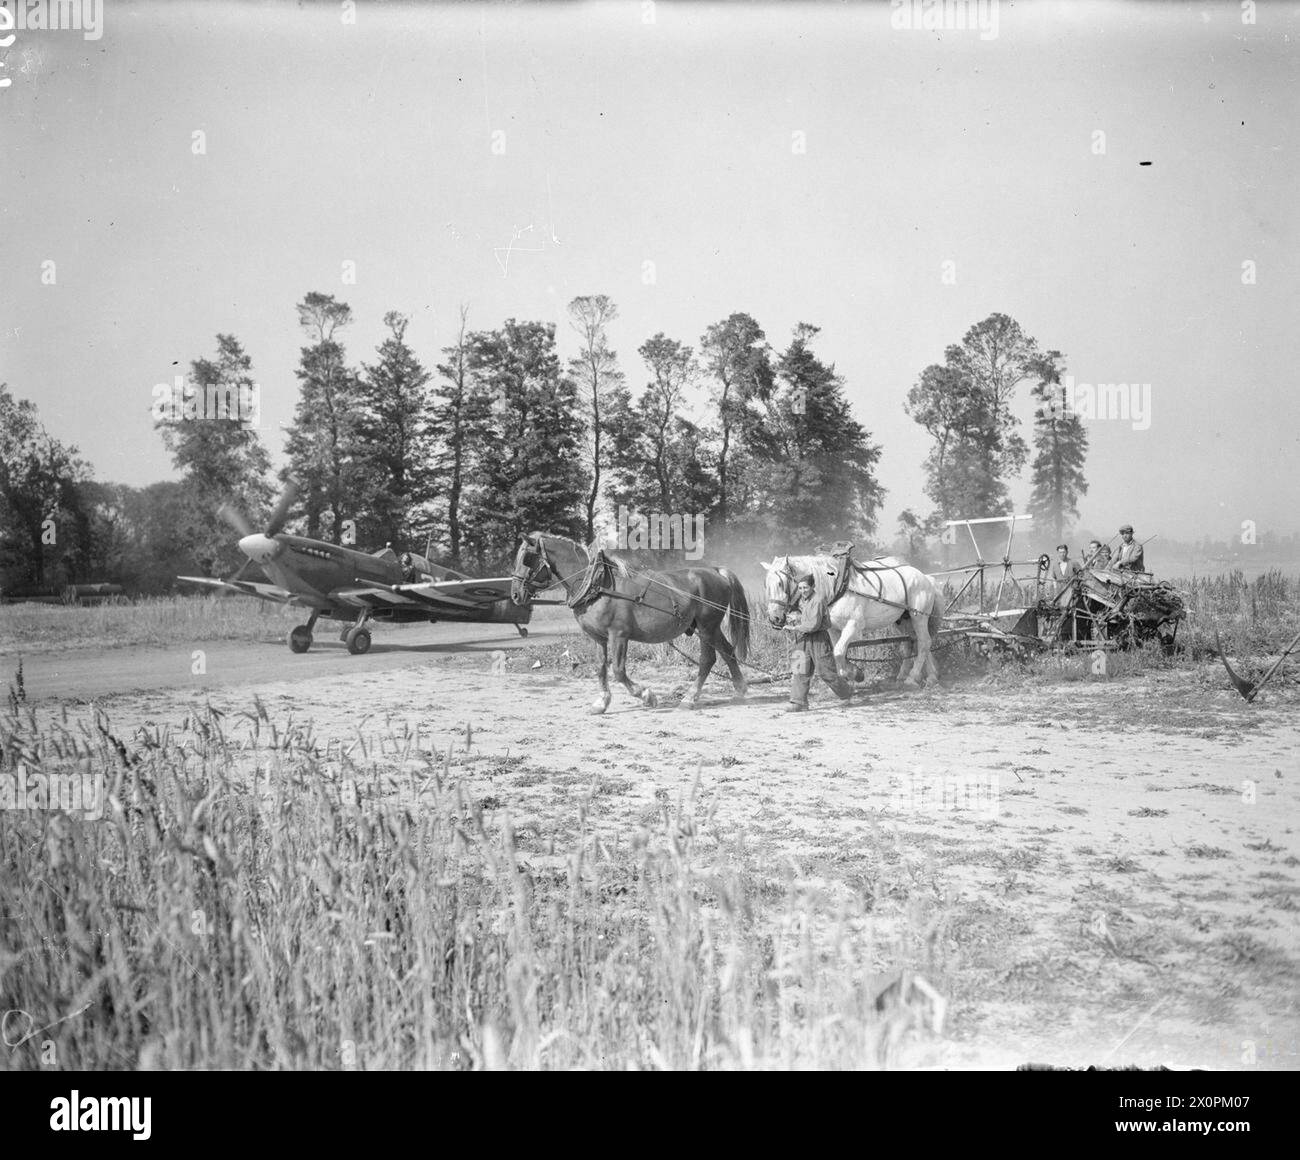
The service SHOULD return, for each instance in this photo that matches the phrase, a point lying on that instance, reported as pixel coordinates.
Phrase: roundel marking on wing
(483, 593)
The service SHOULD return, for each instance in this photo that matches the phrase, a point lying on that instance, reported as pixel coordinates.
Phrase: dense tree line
(499, 438)
(45, 488)
(58, 525)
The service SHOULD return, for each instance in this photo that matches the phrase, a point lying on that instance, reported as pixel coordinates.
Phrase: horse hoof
(688, 704)
(911, 684)
(598, 707)
(650, 699)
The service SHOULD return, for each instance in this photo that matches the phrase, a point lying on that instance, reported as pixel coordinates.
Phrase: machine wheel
(521, 630)
(358, 641)
(300, 639)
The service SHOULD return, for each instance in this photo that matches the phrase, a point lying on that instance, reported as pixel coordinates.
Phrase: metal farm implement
(1097, 609)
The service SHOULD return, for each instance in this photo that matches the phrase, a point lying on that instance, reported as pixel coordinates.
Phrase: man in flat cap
(813, 652)
(1129, 556)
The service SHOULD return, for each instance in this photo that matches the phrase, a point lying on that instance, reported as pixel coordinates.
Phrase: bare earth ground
(1130, 896)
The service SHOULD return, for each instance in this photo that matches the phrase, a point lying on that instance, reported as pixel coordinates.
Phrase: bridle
(786, 600)
(533, 567)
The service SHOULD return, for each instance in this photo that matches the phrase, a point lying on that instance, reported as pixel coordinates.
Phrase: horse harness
(592, 585)
(846, 566)
(598, 580)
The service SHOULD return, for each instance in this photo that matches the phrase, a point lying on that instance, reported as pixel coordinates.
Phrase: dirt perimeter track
(86, 673)
(1122, 886)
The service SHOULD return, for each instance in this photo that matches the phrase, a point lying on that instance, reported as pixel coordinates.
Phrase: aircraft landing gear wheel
(300, 639)
(358, 641)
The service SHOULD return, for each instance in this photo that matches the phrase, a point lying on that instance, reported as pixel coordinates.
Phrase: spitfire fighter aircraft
(344, 584)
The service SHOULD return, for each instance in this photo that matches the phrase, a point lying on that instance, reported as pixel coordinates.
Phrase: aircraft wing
(430, 595)
(244, 587)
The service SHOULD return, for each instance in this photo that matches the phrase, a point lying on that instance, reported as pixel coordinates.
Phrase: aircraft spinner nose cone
(259, 548)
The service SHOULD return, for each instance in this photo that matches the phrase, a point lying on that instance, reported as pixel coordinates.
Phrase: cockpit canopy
(415, 561)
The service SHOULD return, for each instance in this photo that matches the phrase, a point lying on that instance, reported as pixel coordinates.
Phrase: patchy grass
(163, 620)
(1201, 850)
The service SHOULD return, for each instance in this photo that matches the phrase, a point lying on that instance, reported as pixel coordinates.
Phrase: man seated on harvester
(1098, 557)
(1130, 556)
(813, 651)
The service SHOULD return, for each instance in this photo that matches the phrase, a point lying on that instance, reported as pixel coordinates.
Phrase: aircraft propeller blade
(236, 519)
(281, 512)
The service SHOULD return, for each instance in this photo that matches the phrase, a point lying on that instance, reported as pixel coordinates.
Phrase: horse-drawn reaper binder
(1097, 608)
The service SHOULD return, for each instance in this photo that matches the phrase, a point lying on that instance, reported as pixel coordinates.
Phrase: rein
(651, 580)
(529, 578)
(589, 591)
(614, 594)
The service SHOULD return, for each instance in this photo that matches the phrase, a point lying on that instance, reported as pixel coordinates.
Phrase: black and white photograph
(650, 536)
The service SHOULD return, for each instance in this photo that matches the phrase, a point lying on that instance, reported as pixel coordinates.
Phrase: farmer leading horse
(877, 593)
(615, 603)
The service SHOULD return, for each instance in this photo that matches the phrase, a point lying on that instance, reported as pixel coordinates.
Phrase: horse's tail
(935, 624)
(934, 617)
(737, 613)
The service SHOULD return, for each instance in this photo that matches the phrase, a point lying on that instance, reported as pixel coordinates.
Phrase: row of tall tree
(500, 437)
(503, 436)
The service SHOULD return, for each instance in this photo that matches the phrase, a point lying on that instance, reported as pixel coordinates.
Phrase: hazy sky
(673, 142)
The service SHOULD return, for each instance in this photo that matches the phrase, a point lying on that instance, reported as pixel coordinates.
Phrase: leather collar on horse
(846, 565)
(597, 581)
(601, 579)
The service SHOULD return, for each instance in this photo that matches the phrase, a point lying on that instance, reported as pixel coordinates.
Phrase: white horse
(884, 594)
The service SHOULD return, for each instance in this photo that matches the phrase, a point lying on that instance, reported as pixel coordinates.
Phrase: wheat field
(258, 906)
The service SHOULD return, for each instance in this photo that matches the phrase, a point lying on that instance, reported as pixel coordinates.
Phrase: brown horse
(614, 603)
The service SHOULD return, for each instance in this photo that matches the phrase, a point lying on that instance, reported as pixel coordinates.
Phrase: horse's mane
(621, 565)
(577, 547)
(818, 566)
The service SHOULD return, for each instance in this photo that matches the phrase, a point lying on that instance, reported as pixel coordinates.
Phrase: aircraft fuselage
(312, 569)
